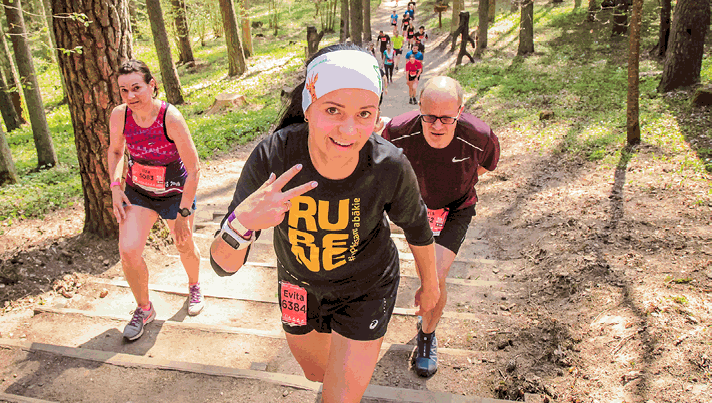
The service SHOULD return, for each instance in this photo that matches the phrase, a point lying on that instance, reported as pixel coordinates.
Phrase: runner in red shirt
(413, 69)
(448, 150)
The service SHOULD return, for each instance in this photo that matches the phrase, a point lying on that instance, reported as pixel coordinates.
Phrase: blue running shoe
(426, 357)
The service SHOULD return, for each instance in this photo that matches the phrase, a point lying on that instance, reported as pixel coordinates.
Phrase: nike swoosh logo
(455, 160)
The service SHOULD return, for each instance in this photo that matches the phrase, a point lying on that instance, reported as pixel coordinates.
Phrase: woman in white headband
(323, 180)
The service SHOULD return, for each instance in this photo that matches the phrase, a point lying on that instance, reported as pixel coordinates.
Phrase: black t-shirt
(383, 40)
(335, 240)
(447, 176)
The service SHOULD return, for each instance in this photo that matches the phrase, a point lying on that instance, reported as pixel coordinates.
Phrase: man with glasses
(448, 150)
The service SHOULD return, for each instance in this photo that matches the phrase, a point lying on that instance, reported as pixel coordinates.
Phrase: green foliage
(580, 73)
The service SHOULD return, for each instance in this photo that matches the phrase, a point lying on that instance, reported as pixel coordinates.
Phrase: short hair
(458, 89)
(138, 66)
(422, 26)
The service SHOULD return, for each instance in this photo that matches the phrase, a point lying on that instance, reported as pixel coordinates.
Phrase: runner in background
(421, 36)
(397, 46)
(449, 151)
(394, 19)
(162, 180)
(388, 56)
(383, 41)
(417, 53)
(406, 22)
(413, 69)
(326, 182)
(410, 37)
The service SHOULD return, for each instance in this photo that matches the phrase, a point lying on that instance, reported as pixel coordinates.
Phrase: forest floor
(612, 295)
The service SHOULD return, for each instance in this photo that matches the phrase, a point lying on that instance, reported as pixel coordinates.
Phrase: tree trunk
(592, 8)
(664, 32)
(46, 156)
(483, 14)
(246, 31)
(93, 93)
(185, 50)
(356, 25)
(367, 20)
(620, 18)
(53, 40)
(633, 110)
(9, 115)
(526, 29)
(8, 174)
(683, 60)
(133, 15)
(457, 6)
(13, 80)
(492, 10)
(344, 21)
(313, 39)
(169, 74)
(464, 31)
(235, 55)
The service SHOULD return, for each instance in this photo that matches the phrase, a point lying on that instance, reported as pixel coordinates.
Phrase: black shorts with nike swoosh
(362, 318)
(455, 228)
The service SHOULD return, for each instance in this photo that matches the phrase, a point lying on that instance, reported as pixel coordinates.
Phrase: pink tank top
(155, 167)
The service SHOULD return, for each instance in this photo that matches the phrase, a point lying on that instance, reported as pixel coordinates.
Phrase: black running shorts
(362, 318)
(455, 228)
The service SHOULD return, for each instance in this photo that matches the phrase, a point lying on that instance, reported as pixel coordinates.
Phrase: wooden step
(374, 391)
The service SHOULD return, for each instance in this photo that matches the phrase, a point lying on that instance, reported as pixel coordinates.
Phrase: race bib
(149, 177)
(437, 220)
(293, 300)
(414, 73)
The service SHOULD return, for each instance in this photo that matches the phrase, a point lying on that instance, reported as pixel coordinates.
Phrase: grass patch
(580, 73)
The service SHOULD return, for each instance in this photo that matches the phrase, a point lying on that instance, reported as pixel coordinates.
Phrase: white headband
(341, 69)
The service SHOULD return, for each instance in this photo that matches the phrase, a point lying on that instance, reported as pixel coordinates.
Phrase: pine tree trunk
(620, 18)
(344, 21)
(11, 77)
(683, 61)
(46, 156)
(367, 20)
(9, 115)
(53, 40)
(235, 55)
(664, 32)
(592, 8)
(185, 50)
(169, 74)
(8, 174)
(457, 6)
(633, 109)
(483, 15)
(526, 29)
(246, 31)
(93, 93)
(356, 16)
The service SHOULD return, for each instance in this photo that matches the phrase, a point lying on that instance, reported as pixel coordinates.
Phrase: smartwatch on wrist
(235, 234)
(185, 212)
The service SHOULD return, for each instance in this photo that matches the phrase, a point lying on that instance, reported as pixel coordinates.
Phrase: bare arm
(115, 157)
(481, 170)
(264, 208)
(429, 292)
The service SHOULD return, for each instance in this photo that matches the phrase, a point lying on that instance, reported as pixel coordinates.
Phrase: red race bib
(149, 177)
(293, 300)
(437, 220)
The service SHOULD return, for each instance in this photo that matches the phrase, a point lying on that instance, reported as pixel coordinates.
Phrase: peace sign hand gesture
(267, 206)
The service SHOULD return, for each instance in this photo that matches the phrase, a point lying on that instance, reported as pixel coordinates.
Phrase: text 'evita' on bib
(293, 300)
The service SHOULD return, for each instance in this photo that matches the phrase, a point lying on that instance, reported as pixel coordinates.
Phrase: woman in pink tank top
(162, 180)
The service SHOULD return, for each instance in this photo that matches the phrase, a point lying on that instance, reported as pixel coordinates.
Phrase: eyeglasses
(446, 120)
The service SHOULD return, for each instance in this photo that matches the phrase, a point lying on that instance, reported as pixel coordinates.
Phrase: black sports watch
(185, 212)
